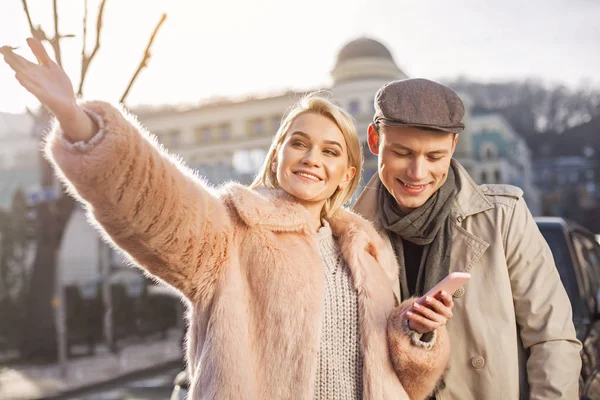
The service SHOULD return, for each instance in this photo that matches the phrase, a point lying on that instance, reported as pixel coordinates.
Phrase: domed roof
(363, 47)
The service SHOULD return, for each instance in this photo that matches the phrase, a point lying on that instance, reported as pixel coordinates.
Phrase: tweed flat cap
(421, 103)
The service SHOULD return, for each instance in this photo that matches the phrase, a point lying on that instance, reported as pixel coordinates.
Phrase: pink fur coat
(248, 264)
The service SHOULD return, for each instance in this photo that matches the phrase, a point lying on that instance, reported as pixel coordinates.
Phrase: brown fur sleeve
(418, 369)
(145, 201)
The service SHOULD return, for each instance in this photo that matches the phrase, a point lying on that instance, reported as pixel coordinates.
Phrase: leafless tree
(52, 217)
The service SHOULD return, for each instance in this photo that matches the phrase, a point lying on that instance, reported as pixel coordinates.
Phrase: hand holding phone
(449, 284)
(433, 309)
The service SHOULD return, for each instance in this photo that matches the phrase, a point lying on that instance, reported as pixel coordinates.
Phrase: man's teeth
(314, 178)
(412, 186)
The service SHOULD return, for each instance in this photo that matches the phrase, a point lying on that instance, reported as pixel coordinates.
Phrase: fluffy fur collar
(276, 210)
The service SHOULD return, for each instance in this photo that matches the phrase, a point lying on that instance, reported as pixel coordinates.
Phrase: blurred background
(213, 81)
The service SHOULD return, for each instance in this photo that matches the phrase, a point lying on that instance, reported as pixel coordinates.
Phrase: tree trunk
(39, 332)
(52, 216)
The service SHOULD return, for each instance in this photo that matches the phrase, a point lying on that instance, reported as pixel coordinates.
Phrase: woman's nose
(310, 158)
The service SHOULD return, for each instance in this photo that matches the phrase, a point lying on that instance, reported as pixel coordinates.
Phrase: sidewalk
(24, 381)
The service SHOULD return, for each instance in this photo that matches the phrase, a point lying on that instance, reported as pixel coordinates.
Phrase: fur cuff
(419, 364)
(81, 145)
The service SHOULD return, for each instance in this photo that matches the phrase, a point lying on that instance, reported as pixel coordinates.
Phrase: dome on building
(365, 59)
(362, 48)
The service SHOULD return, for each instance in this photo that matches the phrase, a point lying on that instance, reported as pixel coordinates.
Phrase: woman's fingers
(429, 313)
(30, 85)
(39, 51)
(423, 325)
(446, 298)
(15, 61)
(438, 307)
(11, 59)
(432, 314)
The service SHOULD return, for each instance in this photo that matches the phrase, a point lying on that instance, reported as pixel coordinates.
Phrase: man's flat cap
(421, 103)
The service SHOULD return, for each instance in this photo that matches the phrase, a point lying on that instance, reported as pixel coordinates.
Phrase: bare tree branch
(36, 31)
(55, 42)
(83, 45)
(26, 8)
(85, 59)
(145, 58)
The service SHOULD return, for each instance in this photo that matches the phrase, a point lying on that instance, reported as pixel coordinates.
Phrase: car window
(557, 241)
(587, 254)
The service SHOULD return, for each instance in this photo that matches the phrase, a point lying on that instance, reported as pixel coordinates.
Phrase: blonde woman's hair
(316, 103)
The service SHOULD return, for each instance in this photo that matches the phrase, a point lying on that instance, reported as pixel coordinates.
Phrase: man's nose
(417, 170)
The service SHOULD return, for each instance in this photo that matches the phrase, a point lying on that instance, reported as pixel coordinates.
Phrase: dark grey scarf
(429, 226)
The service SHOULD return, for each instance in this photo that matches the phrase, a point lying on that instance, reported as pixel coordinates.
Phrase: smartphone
(449, 284)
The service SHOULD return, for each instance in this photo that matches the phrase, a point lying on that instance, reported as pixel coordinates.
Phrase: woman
(289, 294)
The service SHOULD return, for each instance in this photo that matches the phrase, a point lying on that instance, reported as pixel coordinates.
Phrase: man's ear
(373, 139)
(454, 141)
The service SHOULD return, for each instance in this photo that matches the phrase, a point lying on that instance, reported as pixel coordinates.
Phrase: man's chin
(409, 204)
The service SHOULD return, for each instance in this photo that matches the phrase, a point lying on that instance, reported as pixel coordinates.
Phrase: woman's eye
(298, 143)
(331, 152)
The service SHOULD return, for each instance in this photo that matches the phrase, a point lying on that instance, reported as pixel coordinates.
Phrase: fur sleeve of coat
(145, 201)
(418, 368)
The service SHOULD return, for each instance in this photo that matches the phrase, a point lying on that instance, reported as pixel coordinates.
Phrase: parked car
(577, 256)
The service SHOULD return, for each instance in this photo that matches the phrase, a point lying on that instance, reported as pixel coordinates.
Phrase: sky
(235, 48)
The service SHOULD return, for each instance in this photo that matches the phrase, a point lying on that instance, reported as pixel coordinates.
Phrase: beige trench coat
(512, 335)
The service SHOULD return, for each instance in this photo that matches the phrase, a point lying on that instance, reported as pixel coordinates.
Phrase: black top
(412, 262)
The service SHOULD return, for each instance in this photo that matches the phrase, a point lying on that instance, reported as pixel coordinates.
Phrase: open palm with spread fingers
(50, 84)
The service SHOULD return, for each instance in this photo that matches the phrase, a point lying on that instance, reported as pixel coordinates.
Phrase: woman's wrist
(77, 125)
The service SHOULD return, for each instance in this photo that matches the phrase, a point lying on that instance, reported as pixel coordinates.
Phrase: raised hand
(432, 314)
(50, 84)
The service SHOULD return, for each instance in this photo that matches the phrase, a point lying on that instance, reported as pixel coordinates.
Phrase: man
(512, 334)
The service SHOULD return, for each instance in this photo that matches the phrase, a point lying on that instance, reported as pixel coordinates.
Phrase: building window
(573, 177)
(354, 107)
(256, 127)
(225, 131)
(497, 176)
(489, 152)
(259, 127)
(589, 175)
(276, 123)
(484, 178)
(203, 134)
(174, 137)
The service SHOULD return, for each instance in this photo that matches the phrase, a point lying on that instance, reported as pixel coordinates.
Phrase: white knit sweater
(340, 362)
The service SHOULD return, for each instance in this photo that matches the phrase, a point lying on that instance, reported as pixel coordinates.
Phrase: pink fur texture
(247, 263)
(411, 363)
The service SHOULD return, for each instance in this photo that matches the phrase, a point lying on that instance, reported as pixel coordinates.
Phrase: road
(156, 386)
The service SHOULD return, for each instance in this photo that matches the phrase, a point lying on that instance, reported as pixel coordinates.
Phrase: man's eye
(401, 154)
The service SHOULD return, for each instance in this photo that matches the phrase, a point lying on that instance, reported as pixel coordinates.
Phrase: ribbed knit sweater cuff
(423, 340)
